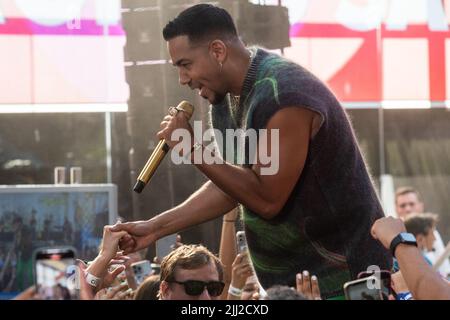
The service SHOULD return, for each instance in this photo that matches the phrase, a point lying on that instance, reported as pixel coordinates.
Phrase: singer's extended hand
(139, 235)
(178, 120)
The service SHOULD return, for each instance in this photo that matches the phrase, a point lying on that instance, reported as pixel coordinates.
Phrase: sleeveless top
(324, 227)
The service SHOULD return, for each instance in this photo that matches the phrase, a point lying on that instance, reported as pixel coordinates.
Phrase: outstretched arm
(208, 203)
(265, 187)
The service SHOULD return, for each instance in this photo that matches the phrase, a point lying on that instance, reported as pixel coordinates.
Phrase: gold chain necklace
(235, 100)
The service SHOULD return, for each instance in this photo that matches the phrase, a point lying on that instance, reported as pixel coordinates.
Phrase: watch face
(409, 237)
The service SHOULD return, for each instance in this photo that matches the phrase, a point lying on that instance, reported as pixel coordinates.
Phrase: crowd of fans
(192, 272)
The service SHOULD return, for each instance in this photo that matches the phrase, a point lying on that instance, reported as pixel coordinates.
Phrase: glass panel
(32, 145)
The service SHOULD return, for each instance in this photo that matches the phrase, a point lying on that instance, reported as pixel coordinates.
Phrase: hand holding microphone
(163, 146)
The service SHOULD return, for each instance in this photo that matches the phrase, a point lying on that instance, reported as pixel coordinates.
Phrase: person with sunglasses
(191, 272)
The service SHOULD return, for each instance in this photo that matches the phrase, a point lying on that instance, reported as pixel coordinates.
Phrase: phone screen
(360, 290)
(385, 279)
(241, 241)
(142, 270)
(56, 274)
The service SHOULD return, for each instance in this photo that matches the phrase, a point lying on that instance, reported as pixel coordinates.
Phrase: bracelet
(404, 296)
(92, 280)
(234, 291)
(225, 220)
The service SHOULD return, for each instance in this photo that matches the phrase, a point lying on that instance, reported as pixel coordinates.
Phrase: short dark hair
(201, 22)
(421, 223)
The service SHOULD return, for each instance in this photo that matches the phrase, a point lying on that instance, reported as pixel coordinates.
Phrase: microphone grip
(152, 164)
(160, 151)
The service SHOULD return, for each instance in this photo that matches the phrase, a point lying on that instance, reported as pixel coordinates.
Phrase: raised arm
(420, 278)
(227, 251)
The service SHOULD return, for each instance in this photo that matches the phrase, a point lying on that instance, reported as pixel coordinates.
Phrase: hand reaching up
(137, 235)
(308, 286)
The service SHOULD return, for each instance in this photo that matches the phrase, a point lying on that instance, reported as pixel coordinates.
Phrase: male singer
(316, 212)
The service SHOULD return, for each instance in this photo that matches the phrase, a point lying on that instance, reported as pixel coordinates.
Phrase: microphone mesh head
(186, 107)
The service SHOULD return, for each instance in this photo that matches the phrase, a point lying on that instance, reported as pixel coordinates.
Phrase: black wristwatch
(405, 238)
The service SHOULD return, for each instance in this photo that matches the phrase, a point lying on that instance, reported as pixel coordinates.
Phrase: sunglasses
(195, 287)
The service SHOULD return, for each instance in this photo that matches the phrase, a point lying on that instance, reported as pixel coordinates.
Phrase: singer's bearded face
(198, 68)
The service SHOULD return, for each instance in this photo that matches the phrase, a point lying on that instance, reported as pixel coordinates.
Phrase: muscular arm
(208, 203)
(230, 185)
(267, 194)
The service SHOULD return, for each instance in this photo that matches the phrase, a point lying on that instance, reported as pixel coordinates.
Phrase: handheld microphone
(158, 154)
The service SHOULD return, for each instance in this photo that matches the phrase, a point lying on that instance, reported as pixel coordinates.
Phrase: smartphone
(364, 289)
(121, 277)
(156, 268)
(141, 269)
(241, 242)
(385, 279)
(55, 273)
